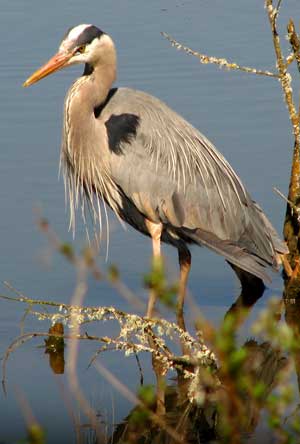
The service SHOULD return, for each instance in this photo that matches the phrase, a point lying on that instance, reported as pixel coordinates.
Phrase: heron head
(81, 44)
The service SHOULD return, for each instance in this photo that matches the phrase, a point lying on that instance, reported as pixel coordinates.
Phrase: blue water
(243, 115)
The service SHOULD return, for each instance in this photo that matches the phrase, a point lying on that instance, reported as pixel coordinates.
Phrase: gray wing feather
(173, 174)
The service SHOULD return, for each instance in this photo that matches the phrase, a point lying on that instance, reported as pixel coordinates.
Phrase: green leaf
(113, 273)
(146, 394)
(67, 251)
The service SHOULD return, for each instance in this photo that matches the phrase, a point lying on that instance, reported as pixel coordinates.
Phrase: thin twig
(223, 63)
(30, 420)
(278, 5)
(140, 369)
(97, 353)
(13, 289)
(73, 352)
(31, 301)
(88, 258)
(277, 10)
(128, 295)
(23, 318)
(294, 41)
(293, 206)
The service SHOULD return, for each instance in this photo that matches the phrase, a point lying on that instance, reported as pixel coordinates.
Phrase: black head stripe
(88, 35)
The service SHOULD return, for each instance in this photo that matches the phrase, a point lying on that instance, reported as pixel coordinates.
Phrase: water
(242, 114)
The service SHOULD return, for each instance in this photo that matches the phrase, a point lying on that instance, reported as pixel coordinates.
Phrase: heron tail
(279, 246)
(233, 253)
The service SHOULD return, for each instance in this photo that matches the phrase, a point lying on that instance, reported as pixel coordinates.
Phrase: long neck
(85, 95)
(92, 88)
(85, 153)
(84, 146)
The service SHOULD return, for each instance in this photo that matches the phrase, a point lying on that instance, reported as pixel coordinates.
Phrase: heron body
(155, 170)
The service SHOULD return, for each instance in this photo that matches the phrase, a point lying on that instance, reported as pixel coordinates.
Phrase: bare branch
(284, 76)
(294, 41)
(291, 224)
(277, 10)
(105, 313)
(223, 63)
(293, 206)
(72, 357)
(278, 5)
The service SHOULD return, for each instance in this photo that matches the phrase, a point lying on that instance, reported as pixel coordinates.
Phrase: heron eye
(80, 49)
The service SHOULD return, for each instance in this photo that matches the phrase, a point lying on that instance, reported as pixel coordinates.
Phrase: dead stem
(33, 427)
(101, 313)
(73, 351)
(223, 63)
(293, 207)
(294, 41)
(291, 224)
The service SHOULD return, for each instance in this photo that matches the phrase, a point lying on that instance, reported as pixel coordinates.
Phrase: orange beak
(54, 64)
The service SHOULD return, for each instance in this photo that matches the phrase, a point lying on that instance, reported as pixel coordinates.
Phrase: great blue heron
(157, 172)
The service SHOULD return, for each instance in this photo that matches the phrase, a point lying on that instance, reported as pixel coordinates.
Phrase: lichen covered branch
(133, 336)
(291, 224)
(223, 63)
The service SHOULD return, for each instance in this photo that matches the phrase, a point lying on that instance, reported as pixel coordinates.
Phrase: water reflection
(55, 348)
(203, 424)
(291, 298)
(182, 412)
(252, 290)
(207, 422)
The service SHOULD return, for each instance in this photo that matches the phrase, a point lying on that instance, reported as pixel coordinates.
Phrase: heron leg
(185, 260)
(155, 230)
